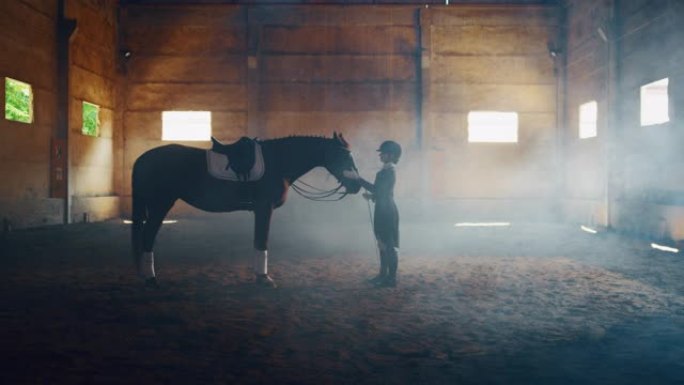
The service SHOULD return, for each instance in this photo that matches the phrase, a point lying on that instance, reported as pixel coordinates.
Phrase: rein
(315, 194)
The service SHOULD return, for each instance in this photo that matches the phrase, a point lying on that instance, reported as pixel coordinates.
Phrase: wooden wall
(650, 187)
(271, 72)
(587, 77)
(495, 59)
(95, 172)
(29, 48)
(407, 73)
(638, 187)
(404, 72)
(182, 58)
(29, 45)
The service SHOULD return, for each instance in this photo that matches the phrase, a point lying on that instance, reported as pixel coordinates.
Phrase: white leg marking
(146, 267)
(260, 262)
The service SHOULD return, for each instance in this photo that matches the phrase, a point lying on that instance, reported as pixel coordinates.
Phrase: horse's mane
(290, 137)
(298, 138)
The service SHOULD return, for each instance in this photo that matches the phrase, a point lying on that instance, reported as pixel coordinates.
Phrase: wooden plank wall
(651, 183)
(278, 70)
(28, 47)
(494, 59)
(182, 58)
(333, 68)
(587, 80)
(95, 162)
(644, 180)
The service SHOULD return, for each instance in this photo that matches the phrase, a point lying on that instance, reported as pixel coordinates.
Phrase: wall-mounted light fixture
(553, 50)
(602, 34)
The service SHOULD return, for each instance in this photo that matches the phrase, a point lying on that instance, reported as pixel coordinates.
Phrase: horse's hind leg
(157, 213)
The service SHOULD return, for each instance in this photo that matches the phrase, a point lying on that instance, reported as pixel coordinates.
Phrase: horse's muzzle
(351, 186)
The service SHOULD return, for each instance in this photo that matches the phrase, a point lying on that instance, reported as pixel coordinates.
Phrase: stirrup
(265, 280)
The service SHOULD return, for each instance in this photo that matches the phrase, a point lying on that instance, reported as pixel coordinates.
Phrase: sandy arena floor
(529, 304)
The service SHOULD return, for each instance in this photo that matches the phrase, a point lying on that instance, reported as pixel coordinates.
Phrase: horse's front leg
(262, 225)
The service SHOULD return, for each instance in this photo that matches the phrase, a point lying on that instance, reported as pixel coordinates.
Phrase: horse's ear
(342, 140)
(335, 135)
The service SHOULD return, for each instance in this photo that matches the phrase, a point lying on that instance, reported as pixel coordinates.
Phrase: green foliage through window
(91, 119)
(18, 101)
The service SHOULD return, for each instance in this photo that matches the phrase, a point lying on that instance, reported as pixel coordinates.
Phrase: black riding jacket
(386, 222)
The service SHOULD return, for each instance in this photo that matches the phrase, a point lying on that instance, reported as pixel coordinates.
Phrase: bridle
(316, 194)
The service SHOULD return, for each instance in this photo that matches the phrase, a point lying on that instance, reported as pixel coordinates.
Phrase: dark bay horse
(165, 174)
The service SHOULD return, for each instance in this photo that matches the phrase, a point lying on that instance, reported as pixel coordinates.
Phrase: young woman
(386, 222)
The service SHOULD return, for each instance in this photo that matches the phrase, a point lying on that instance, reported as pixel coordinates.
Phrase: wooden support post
(59, 149)
(423, 81)
(613, 135)
(558, 51)
(254, 120)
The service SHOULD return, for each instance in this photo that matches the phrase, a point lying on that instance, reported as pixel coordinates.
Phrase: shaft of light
(664, 248)
(166, 221)
(482, 224)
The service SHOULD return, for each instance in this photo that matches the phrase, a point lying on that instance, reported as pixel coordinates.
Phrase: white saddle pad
(217, 165)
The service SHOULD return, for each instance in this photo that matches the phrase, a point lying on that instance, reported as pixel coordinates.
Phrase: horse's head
(338, 158)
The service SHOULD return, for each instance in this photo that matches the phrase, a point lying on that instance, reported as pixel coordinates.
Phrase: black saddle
(241, 155)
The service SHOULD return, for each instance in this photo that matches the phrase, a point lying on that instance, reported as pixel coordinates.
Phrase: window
(654, 103)
(18, 101)
(492, 127)
(91, 119)
(186, 125)
(588, 115)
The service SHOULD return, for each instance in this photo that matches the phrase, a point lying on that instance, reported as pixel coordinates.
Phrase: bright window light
(664, 248)
(165, 221)
(654, 103)
(186, 125)
(588, 115)
(91, 119)
(492, 127)
(18, 101)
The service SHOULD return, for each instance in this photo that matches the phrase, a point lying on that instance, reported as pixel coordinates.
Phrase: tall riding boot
(383, 269)
(393, 265)
(146, 268)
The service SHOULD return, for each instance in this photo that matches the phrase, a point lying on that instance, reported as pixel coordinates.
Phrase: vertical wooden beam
(423, 82)
(122, 56)
(254, 120)
(559, 53)
(59, 151)
(418, 16)
(614, 135)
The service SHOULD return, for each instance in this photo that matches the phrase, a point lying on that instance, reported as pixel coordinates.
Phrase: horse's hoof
(265, 281)
(152, 282)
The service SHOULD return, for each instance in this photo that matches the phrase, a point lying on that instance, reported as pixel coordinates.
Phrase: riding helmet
(391, 147)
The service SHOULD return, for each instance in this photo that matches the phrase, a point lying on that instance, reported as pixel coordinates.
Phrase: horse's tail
(139, 210)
